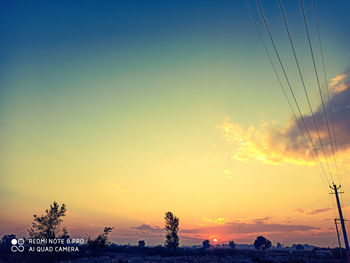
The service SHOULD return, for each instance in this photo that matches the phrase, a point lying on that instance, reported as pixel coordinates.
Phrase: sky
(124, 110)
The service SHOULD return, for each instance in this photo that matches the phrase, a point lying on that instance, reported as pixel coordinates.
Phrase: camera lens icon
(17, 245)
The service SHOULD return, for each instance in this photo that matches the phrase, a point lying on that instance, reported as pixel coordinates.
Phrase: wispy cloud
(314, 211)
(149, 228)
(320, 211)
(206, 220)
(275, 144)
(262, 220)
(337, 84)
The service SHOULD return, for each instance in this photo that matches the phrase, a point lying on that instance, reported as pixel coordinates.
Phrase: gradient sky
(117, 108)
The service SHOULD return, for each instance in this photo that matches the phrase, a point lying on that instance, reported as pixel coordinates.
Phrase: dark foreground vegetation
(134, 254)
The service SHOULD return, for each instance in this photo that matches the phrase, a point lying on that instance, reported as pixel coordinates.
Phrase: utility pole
(335, 189)
(336, 227)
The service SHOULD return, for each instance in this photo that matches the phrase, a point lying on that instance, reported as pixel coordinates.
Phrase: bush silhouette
(141, 243)
(102, 240)
(171, 230)
(206, 244)
(262, 243)
(232, 244)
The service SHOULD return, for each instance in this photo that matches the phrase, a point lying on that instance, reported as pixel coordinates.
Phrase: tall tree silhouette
(49, 225)
(171, 230)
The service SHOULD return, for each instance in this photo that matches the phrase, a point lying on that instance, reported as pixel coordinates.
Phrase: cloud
(269, 144)
(313, 212)
(148, 228)
(262, 220)
(206, 220)
(276, 144)
(320, 211)
(336, 84)
(220, 221)
(299, 210)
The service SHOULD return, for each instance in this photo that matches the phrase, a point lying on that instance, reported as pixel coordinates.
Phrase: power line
(318, 84)
(327, 89)
(290, 87)
(278, 78)
(277, 17)
(304, 87)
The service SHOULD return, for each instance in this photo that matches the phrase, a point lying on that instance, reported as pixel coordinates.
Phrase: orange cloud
(274, 143)
(209, 221)
(268, 144)
(220, 221)
(337, 84)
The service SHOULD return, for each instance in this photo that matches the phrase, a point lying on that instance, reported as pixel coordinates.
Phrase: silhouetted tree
(279, 245)
(232, 244)
(101, 240)
(262, 243)
(48, 225)
(206, 244)
(142, 243)
(171, 230)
